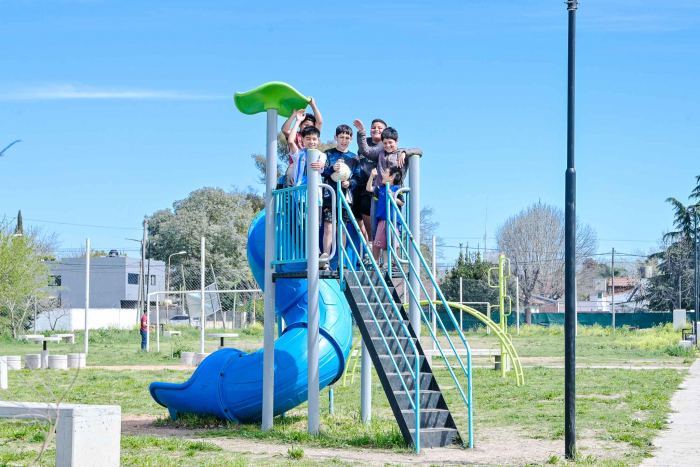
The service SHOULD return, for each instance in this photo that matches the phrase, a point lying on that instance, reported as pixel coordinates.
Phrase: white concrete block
(76, 360)
(688, 344)
(199, 357)
(679, 319)
(58, 362)
(3, 372)
(14, 362)
(86, 435)
(44, 358)
(32, 361)
(187, 358)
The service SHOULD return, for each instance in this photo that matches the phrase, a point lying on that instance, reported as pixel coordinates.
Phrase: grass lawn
(617, 408)
(112, 347)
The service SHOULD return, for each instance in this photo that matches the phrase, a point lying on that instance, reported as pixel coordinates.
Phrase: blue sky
(124, 107)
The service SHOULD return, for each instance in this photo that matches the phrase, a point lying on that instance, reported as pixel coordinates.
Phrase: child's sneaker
(324, 261)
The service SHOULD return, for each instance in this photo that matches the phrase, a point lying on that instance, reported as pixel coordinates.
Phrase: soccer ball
(342, 174)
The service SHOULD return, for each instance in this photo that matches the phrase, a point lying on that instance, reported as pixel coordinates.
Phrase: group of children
(379, 161)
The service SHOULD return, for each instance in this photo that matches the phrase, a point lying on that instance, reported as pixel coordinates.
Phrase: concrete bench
(67, 338)
(495, 353)
(86, 435)
(3, 372)
(28, 336)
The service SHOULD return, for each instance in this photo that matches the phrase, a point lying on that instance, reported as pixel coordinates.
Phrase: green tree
(473, 271)
(19, 229)
(22, 279)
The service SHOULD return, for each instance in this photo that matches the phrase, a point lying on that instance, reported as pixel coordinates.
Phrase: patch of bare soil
(495, 446)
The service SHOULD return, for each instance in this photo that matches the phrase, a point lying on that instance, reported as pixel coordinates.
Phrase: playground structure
(314, 312)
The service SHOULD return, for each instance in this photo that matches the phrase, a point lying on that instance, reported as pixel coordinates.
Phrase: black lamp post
(570, 251)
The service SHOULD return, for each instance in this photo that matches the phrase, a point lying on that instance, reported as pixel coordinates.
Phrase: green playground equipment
(502, 287)
(274, 95)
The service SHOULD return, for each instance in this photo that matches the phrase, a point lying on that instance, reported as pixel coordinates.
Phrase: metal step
(373, 295)
(429, 418)
(426, 381)
(403, 343)
(436, 437)
(385, 327)
(378, 310)
(402, 363)
(428, 399)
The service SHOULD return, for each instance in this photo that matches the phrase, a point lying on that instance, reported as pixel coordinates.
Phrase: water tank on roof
(113, 253)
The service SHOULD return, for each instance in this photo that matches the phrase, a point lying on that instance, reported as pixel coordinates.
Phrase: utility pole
(613, 289)
(570, 248)
(696, 295)
(141, 269)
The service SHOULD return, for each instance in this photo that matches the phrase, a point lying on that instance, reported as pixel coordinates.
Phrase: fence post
(202, 318)
(87, 291)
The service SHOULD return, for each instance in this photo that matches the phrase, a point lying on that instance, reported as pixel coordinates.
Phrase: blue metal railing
(290, 219)
(343, 256)
(291, 209)
(393, 231)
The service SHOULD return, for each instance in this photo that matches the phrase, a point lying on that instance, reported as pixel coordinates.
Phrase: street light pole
(696, 296)
(570, 249)
(167, 282)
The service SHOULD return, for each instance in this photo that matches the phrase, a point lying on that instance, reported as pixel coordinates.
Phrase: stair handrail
(392, 230)
(415, 405)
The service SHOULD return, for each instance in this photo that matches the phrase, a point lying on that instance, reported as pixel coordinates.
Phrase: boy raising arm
(388, 154)
(313, 119)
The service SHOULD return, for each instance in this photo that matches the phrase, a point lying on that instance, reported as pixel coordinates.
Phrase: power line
(81, 225)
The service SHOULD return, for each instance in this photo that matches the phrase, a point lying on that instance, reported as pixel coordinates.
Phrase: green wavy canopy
(272, 95)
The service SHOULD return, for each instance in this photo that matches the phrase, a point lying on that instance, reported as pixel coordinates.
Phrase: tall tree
(22, 278)
(473, 271)
(221, 217)
(19, 229)
(533, 240)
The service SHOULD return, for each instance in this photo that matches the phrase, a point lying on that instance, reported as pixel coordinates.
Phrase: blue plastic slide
(228, 383)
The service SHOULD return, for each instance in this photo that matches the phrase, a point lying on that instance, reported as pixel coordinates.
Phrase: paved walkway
(679, 445)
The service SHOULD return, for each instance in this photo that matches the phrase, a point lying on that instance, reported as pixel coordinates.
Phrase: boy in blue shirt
(335, 158)
(393, 177)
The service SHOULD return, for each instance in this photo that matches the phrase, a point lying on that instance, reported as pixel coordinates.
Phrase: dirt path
(498, 446)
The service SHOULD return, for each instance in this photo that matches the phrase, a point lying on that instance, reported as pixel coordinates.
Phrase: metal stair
(437, 426)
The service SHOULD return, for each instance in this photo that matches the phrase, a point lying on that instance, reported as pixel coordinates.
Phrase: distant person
(392, 176)
(144, 329)
(334, 171)
(307, 120)
(364, 205)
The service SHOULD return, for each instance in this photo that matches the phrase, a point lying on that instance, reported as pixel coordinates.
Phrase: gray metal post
(696, 297)
(202, 317)
(517, 305)
(87, 291)
(460, 302)
(613, 289)
(312, 226)
(269, 319)
(365, 386)
(414, 227)
(141, 271)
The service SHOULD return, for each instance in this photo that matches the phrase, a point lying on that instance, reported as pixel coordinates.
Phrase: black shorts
(362, 205)
(328, 215)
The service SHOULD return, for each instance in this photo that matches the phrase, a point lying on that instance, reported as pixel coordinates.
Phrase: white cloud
(67, 91)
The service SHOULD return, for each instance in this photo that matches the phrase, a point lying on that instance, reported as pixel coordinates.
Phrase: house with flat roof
(114, 281)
